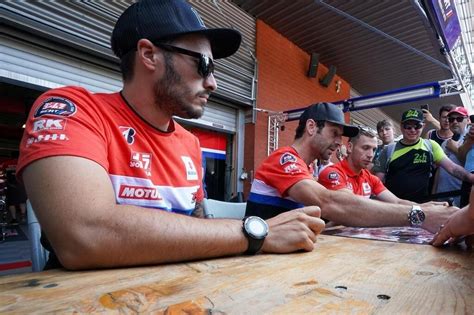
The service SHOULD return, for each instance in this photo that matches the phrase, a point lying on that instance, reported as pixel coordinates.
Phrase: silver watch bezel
(416, 216)
(248, 227)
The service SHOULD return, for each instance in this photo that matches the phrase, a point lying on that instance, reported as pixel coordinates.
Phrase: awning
(376, 45)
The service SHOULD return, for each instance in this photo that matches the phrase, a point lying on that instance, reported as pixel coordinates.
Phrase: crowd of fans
(427, 157)
(436, 167)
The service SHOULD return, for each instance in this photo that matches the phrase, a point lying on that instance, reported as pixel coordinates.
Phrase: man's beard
(326, 154)
(171, 92)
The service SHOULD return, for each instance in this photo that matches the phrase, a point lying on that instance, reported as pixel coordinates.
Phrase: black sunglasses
(458, 119)
(205, 64)
(418, 126)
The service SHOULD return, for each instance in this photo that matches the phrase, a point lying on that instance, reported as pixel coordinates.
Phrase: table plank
(341, 275)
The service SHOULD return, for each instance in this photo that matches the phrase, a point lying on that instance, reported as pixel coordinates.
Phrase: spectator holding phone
(425, 108)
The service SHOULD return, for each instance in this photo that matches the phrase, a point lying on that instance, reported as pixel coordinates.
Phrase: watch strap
(254, 244)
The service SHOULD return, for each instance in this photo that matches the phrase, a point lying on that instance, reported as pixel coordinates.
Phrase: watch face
(256, 227)
(417, 216)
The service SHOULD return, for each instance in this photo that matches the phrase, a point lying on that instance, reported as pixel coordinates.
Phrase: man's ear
(146, 54)
(311, 127)
(349, 147)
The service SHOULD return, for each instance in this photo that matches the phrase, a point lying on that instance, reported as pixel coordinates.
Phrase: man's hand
(436, 215)
(427, 115)
(293, 230)
(459, 224)
(452, 145)
(470, 133)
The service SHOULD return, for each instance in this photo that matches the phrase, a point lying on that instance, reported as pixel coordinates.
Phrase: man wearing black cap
(406, 165)
(114, 179)
(283, 181)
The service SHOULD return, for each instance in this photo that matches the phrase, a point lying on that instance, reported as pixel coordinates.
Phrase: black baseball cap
(328, 112)
(164, 20)
(414, 114)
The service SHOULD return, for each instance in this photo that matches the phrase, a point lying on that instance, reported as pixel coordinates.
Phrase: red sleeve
(282, 170)
(332, 178)
(62, 122)
(377, 185)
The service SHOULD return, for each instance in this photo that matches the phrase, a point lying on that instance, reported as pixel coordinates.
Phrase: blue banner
(447, 21)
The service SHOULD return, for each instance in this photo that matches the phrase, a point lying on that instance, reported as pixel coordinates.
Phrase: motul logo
(139, 192)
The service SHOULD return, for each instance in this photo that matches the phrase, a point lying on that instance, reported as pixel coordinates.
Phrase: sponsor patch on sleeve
(286, 158)
(56, 106)
(333, 178)
(292, 168)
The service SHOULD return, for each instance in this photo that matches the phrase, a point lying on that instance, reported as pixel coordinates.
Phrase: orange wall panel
(283, 85)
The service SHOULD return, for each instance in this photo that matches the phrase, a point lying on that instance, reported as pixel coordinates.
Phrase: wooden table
(341, 275)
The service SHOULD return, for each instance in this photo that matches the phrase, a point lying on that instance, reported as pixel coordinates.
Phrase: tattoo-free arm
(348, 209)
(352, 210)
(75, 204)
(388, 196)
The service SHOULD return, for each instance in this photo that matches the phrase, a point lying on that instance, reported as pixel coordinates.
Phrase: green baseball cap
(413, 114)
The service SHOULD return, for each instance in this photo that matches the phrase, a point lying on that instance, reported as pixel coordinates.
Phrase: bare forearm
(352, 210)
(460, 173)
(389, 197)
(94, 231)
(139, 236)
(405, 202)
(345, 208)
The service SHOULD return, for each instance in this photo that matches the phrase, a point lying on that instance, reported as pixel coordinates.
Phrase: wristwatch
(416, 216)
(255, 229)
